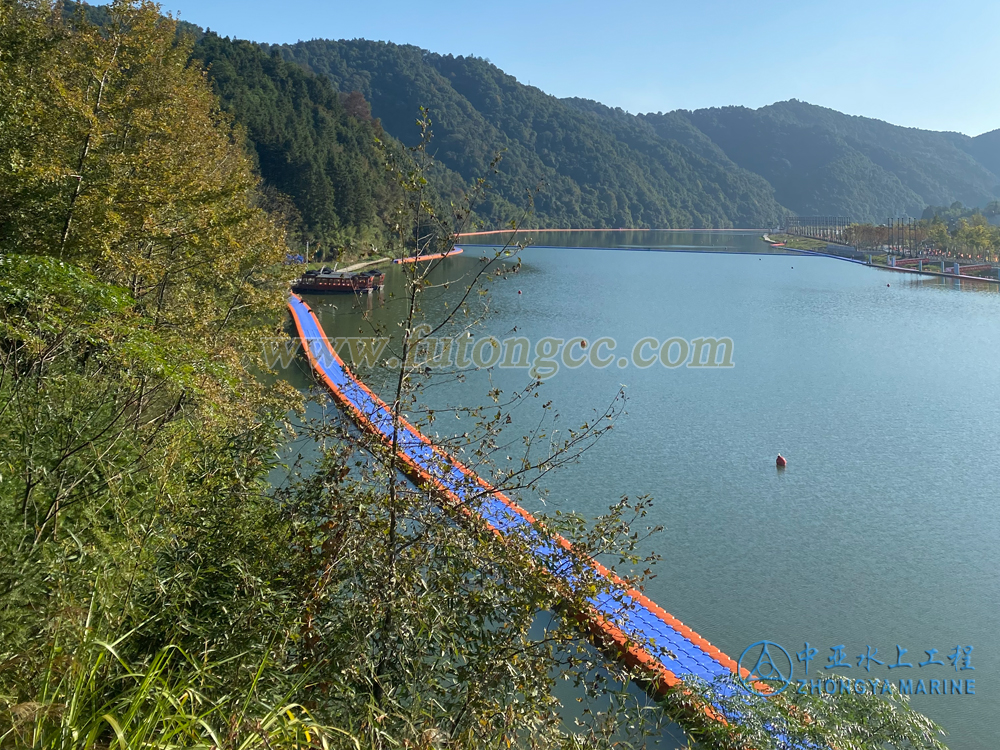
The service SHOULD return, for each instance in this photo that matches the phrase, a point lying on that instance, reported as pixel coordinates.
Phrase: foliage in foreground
(155, 589)
(92, 698)
(846, 721)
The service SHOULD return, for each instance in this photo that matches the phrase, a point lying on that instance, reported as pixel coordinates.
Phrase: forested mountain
(596, 167)
(307, 143)
(604, 167)
(312, 111)
(821, 161)
(314, 144)
(985, 149)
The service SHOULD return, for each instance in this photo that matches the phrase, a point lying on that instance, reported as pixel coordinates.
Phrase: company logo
(767, 662)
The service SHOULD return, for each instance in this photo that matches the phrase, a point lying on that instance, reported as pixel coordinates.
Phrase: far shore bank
(520, 230)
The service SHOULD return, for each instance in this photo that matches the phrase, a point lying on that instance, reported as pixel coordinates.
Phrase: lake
(878, 387)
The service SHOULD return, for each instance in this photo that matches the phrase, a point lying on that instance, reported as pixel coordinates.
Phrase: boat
(328, 281)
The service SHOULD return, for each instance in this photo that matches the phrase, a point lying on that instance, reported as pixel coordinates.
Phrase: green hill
(821, 161)
(603, 167)
(985, 149)
(595, 166)
(303, 139)
(305, 110)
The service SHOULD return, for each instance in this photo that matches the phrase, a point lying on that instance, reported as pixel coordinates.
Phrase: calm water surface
(879, 388)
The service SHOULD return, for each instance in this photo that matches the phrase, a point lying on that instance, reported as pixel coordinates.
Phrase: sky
(921, 64)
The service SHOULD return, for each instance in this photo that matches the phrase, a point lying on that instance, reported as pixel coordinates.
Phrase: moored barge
(328, 281)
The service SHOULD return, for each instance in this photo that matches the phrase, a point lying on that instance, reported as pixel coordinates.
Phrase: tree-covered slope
(593, 167)
(305, 110)
(686, 153)
(821, 161)
(307, 144)
(604, 167)
(985, 149)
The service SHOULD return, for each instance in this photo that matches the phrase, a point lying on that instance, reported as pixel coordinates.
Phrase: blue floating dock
(620, 615)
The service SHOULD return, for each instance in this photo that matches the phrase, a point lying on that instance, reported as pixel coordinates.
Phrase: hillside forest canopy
(311, 114)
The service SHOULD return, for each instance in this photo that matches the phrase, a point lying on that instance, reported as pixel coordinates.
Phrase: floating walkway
(622, 615)
(433, 256)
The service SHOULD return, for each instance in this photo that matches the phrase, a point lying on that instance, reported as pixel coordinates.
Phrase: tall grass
(91, 697)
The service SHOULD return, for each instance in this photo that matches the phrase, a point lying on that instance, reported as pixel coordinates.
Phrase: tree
(847, 720)
(977, 234)
(937, 233)
(139, 274)
(134, 175)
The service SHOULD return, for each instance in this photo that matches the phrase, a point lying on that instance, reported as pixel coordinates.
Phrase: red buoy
(780, 462)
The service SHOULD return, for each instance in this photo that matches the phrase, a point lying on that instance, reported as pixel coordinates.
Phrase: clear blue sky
(922, 64)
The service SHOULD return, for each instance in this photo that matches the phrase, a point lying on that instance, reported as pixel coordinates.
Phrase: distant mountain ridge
(711, 167)
(984, 148)
(584, 163)
(821, 161)
(594, 170)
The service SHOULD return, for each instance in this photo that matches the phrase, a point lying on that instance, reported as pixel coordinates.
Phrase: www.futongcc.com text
(542, 358)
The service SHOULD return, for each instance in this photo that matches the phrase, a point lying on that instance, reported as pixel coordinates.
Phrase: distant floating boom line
(520, 230)
(434, 256)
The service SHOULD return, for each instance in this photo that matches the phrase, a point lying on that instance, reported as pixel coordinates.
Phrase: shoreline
(944, 274)
(741, 230)
(785, 250)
